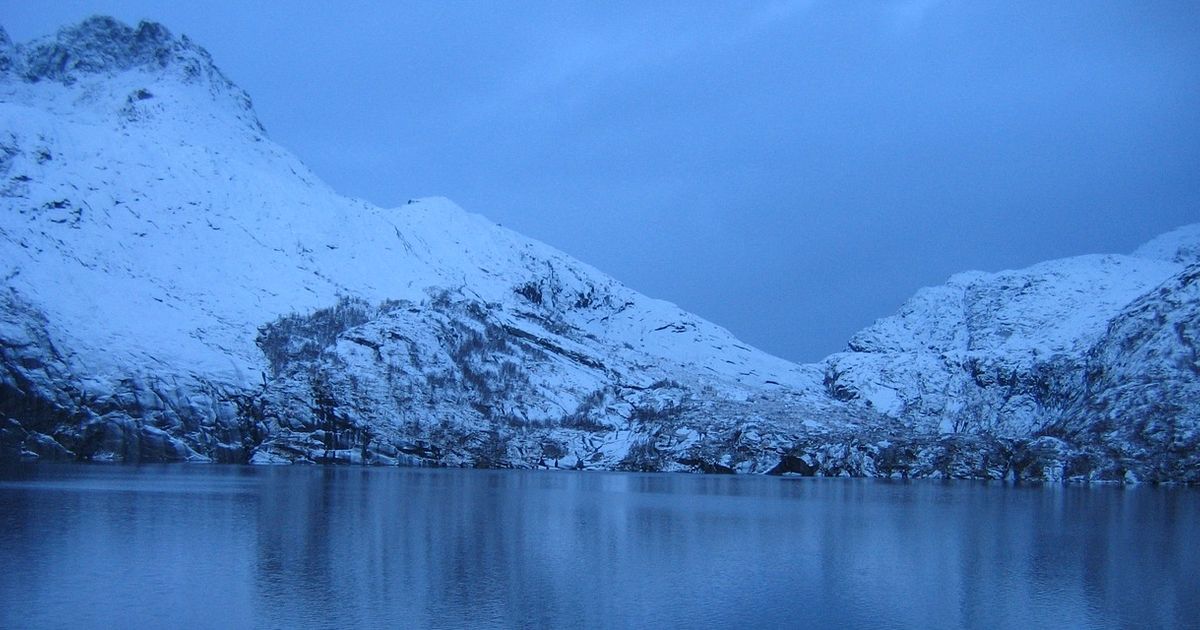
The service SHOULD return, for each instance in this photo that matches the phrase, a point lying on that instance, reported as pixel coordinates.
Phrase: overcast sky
(789, 170)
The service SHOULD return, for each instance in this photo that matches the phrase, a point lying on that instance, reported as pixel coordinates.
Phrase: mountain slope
(178, 287)
(1030, 353)
(155, 229)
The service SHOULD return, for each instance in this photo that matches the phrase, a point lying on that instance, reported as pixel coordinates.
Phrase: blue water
(286, 547)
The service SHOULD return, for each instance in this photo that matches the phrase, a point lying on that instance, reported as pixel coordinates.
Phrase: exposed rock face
(1089, 351)
(178, 288)
(103, 46)
(991, 352)
(1140, 398)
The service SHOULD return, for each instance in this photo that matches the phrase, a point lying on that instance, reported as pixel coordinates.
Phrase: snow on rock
(152, 233)
(1181, 245)
(180, 288)
(990, 352)
(1141, 392)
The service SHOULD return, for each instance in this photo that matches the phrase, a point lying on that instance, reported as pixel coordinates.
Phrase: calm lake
(284, 547)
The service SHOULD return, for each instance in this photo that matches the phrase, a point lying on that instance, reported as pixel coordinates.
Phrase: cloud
(574, 58)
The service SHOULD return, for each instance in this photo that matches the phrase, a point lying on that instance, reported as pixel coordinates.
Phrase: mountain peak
(101, 44)
(100, 47)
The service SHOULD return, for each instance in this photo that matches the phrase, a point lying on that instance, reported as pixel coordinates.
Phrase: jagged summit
(101, 44)
(100, 48)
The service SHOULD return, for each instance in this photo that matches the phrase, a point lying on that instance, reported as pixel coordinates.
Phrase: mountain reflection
(318, 547)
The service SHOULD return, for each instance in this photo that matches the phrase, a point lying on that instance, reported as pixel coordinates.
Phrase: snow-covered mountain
(1089, 357)
(178, 287)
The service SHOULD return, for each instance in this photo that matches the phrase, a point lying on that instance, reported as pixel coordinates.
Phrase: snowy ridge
(178, 287)
(1181, 245)
(986, 334)
(199, 223)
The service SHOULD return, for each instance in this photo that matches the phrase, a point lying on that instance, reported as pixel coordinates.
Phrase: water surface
(286, 547)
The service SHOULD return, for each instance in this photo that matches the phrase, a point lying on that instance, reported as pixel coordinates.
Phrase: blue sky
(790, 170)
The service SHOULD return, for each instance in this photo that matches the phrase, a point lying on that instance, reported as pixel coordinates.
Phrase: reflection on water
(213, 546)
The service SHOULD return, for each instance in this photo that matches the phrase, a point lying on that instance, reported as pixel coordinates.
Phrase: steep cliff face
(1140, 399)
(177, 287)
